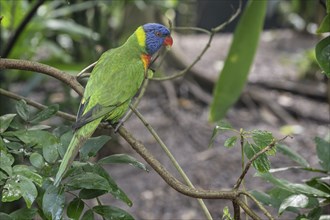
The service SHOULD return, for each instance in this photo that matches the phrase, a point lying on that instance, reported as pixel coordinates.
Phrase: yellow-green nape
(141, 36)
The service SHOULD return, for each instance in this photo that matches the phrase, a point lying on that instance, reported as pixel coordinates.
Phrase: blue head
(156, 36)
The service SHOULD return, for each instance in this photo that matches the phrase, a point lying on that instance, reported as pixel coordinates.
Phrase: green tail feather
(79, 138)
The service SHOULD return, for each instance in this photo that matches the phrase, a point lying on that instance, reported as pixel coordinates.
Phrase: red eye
(158, 34)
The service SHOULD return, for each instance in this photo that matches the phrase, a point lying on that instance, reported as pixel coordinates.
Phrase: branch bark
(71, 81)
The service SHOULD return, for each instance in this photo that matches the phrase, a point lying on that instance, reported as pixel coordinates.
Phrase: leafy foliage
(30, 157)
(322, 49)
(305, 199)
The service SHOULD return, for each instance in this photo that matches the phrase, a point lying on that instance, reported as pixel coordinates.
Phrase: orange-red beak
(168, 41)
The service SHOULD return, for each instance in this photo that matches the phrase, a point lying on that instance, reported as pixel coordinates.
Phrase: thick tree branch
(42, 68)
(71, 81)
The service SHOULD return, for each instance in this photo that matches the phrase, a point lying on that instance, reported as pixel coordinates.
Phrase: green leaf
(53, 202)
(3, 178)
(285, 150)
(221, 125)
(64, 142)
(89, 180)
(91, 193)
(293, 187)
(226, 214)
(262, 138)
(28, 172)
(298, 201)
(6, 161)
(5, 121)
(261, 164)
(122, 159)
(265, 198)
(28, 190)
(117, 192)
(317, 183)
(88, 215)
(112, 213)
(23, 213)
(37, 160)
(325, 25)
(42, 139)
(22, 110)
(239, 60)
(230, 142)
(322, 53)
(75, 208)
(323, 152)
(315, 214)
(19, 186)
(11, 191)
(44, 114)
(92, 146)
(4, 216)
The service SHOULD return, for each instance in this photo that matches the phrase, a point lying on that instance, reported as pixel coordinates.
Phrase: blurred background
(286, 92)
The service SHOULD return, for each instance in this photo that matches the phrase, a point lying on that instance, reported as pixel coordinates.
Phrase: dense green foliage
(30, 156)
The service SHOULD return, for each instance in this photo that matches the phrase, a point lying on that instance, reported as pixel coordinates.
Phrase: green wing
(102, 96)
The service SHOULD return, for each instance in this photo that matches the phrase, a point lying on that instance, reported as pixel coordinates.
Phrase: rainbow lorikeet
(114, 81)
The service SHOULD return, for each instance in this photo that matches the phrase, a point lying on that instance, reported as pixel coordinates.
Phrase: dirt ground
(275, 96)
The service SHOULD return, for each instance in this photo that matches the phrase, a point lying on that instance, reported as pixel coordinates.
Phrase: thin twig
(247, 210)
(20, 28)
(206, 47)
(37, 105)
(261, 207)
(80, 74)
(249, 163)
(172, 158)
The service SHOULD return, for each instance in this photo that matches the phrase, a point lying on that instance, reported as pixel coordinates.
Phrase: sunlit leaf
(29, 172)
(298, 201)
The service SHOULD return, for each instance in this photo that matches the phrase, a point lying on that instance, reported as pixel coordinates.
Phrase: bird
(114, 81)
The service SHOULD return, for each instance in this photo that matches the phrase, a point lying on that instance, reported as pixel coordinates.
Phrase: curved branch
(207, 45)
(135, 144)
(36, 104)
(42, 68)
